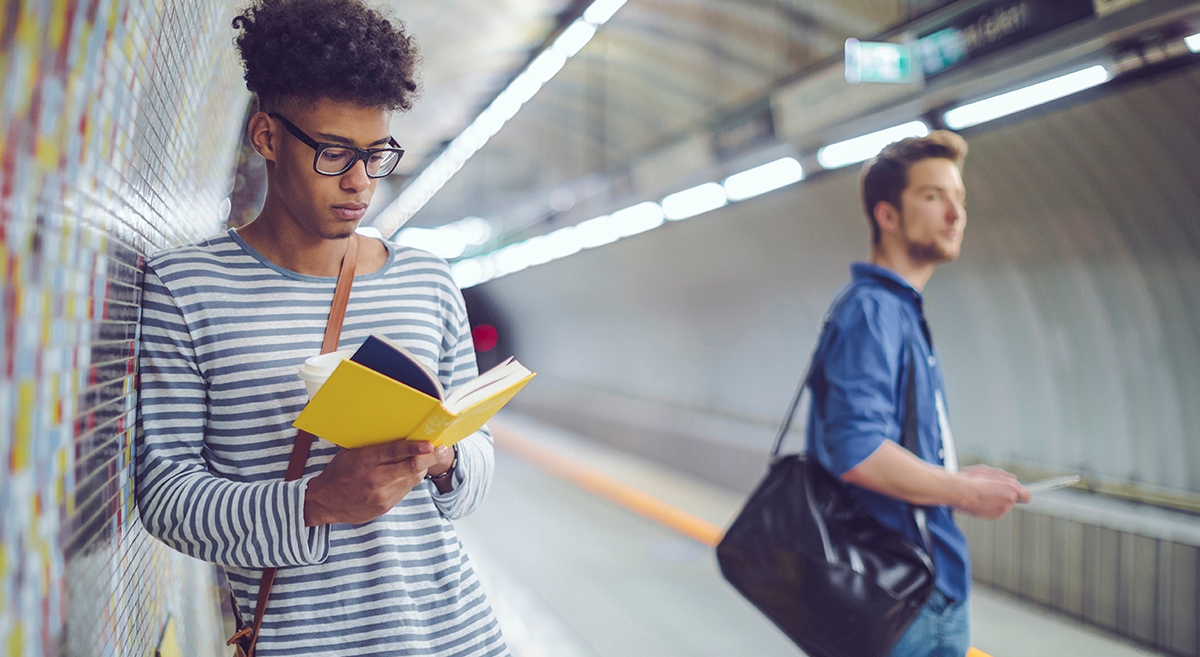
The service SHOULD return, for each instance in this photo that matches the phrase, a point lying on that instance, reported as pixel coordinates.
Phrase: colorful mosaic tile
(119, 124)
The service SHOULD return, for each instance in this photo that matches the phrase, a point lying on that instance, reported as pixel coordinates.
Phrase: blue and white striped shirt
(224, 332)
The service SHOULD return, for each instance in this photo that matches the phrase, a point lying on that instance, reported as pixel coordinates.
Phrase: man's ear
(887, 217)
(263, 137)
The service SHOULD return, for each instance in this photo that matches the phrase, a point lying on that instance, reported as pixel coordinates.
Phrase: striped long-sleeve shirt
(224, 332)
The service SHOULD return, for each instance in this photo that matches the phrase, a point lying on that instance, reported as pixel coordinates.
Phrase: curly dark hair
(337, 49)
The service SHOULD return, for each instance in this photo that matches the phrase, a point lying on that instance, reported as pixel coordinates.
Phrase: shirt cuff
(310, 545)
(456, 482)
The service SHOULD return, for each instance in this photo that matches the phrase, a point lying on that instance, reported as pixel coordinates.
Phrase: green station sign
(868, 61)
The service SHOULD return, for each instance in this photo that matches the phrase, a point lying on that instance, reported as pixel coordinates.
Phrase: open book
(384, 393)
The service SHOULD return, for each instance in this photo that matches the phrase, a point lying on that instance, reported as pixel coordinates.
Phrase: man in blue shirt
(914, 199)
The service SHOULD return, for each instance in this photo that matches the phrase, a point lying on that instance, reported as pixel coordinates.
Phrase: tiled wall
(119, 123)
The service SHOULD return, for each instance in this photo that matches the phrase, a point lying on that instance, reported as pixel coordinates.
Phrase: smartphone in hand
(1052, 483)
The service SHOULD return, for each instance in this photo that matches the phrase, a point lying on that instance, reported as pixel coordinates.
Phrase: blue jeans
(942, 629)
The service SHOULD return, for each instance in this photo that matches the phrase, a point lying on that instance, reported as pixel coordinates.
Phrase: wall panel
(117, 140)
(1069, 329)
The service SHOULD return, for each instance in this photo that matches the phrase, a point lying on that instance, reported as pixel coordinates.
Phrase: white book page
(497, 378)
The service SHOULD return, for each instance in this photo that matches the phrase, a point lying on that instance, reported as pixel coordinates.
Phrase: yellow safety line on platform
(615, 491)
(607, 487)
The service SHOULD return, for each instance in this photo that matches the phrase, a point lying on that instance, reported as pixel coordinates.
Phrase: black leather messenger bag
(820, 566)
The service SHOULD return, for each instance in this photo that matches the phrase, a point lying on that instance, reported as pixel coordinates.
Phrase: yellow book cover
(358, 406)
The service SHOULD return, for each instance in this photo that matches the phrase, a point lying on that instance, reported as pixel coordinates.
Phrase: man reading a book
(876, 342)
(368, 560)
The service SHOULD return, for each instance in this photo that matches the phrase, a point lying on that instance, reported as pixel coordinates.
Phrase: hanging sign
(879, 62)
(992, 27)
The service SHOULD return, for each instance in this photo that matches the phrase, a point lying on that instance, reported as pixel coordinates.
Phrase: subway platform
(587, 551)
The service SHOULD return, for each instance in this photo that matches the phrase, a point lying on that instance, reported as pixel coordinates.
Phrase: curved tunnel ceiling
(657, 70)
(469, 49)
(1069, 329)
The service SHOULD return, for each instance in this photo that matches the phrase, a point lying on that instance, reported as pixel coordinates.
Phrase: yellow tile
(23, 433)
(169, 646)
(16, 640)
(56, 405)
(60, 478)
(47, 315)
(58, 24)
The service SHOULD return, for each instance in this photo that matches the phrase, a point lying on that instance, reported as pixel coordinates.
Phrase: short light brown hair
(885, 176)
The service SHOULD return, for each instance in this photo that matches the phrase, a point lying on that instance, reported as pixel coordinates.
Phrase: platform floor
(571, 574)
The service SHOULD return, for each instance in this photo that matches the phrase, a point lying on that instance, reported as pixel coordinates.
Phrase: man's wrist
(443, 480)
(436, 473)
(314, 511)
(960, 489)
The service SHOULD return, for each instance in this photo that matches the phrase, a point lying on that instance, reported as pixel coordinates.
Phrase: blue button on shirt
(860, 372)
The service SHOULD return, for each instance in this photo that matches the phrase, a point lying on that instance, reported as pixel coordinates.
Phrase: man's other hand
(359, 485)
(979, 490)
(989, 493)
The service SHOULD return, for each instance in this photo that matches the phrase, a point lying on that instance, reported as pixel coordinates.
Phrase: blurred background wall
(118, 140)
(1069, 330)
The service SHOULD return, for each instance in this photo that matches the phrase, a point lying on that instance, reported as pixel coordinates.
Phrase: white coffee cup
(317, 369)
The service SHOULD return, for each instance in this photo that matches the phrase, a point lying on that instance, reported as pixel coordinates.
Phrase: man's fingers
(401, 450)
(411, 466)
(1023, 494)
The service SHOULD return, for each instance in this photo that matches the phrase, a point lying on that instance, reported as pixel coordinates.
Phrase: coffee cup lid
(318, 368)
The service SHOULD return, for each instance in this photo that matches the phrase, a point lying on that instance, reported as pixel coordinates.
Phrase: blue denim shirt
(859, 379)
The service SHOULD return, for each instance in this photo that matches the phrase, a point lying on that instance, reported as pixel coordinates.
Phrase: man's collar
(886, 277)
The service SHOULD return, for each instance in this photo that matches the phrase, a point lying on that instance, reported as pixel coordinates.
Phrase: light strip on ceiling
(447, 241)
(990, 109)
(762, 179)
(1193, 42)
(860, 149)
(544, 67)
(558, 244)
(694, 201)
(625, 223)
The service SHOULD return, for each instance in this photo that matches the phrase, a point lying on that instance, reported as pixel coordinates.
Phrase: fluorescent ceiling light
(762, 179)
(440, 244)
(561, 243)
(694, 201)
(1193, 42)
(557, 244)
(544, 67)
(636, 219)
(1012, 102)
(450, 240)
(595, 232)
(574, 38)
(475, 231)
(470, 272)
(859, 149)
(602, 10)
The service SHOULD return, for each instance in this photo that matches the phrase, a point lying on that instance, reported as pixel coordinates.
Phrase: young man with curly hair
(876, 342)
(368, 562)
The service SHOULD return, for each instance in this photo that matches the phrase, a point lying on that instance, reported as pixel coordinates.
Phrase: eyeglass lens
(334, 161)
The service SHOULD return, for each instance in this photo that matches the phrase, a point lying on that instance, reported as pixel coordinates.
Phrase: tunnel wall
(1068, 329)
(120, 122)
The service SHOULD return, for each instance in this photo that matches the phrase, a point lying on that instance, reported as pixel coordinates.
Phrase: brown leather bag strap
(304, 440)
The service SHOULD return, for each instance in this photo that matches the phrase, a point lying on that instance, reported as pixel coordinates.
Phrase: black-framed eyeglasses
(336, 159)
